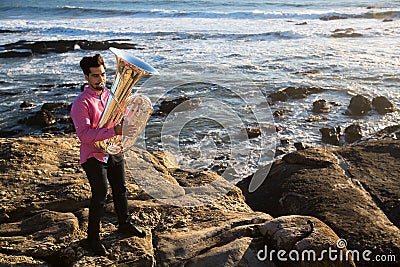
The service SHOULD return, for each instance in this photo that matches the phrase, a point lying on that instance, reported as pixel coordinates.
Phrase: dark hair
(89, 62)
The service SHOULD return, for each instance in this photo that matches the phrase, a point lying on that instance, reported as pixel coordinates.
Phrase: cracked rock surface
(44, 210)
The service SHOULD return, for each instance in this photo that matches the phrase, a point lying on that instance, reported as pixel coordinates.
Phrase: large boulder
(359, 105)
(383, 105)
(354, 190)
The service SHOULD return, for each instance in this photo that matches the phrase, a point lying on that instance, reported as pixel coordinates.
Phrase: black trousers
(98, 173)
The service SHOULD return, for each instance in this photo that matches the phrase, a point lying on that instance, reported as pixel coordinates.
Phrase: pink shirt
(86, 113)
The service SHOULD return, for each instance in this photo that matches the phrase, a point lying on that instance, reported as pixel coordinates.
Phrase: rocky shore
(311, 199)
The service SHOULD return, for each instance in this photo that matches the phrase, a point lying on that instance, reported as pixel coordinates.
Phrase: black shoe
(97, 247)
(129, 228)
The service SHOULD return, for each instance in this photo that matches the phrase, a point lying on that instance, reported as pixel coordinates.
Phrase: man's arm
(87, 134)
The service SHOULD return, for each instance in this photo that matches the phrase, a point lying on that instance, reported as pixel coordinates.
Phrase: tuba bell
(133, 111)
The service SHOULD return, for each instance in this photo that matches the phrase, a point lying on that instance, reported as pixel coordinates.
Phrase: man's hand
(118, 129)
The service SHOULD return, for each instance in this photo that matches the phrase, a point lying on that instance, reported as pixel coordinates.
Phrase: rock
(333, 17)
(331, 135)
(166, 106)
(303, 234)
(278, 96)
(42, 118)
(41, 235)
(300, 146)
(285, 142)
(382, 105)
(53, 106)
(319, 106)
(8, 133)
(45, 195)
(9, 31)
(58, 46)
(345, 33)
(312, 157)
(224, 244)
(359, 105)
(281, 112)
(26, 104)
(356, 194)
(13, 54)
(294, 93)
(317, 118)
(375, 165)
(353, 133)
(52, 118)
(15, 260)
(392, 132)
(40, 48)
(52, 188)
(301, 92)
(306, 72)
(253, 132)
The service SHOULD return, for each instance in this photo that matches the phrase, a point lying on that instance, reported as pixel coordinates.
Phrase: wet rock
(331, 135)
(9, 31)
(294, 93)
(9, 133)
(285, 142)
(53, 106)
(41, 48)
(318, 118)
(166, 106)
(383, 105)
(353, 133)
(278, 96)
(26, 104)
(359, 105)
(300, 146)
(281, 112)
(13, 54)
(345, 33)
(42, 118)
(319, 106)
(392, 132)
(58, 46)
(306, 72)
(333, 17)
(253, 132)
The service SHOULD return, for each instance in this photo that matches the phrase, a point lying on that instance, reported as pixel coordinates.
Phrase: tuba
(133, 111)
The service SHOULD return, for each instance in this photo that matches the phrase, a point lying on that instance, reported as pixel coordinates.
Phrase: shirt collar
(90, 91)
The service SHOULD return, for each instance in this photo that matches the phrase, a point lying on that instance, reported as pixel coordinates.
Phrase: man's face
(96, 76)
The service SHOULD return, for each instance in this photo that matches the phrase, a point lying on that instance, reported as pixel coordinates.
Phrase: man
(86, 112)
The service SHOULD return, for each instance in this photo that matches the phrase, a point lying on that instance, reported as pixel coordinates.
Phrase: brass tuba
(133, 111)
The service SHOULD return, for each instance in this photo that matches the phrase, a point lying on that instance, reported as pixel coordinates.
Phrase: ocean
(227, 57)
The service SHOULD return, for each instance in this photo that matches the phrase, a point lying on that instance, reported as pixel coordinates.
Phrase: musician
(99, 167)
